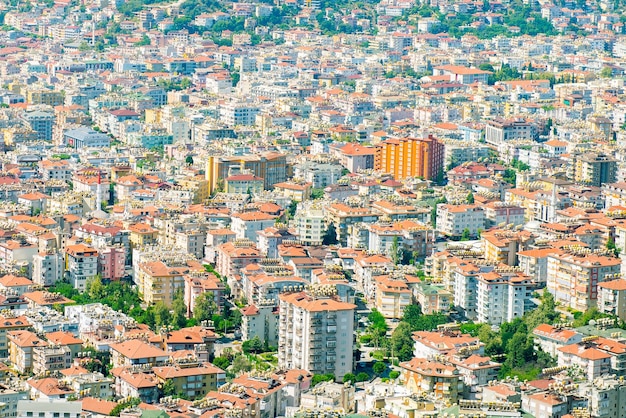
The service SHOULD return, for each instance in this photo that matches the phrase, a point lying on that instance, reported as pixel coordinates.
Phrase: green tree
(349, 377)
(318, 378)
(465, 236)
(401, 342)
(610, 245)
(162, 315)
(204, 307)
(189, 160)
(168, 388)
(94, 288)
(255, 345)
(606, 72)
(221, 362)
(395, 251)
(470, 198)
(379, 368)
(179, 309)
(362, 377)
(144, 41)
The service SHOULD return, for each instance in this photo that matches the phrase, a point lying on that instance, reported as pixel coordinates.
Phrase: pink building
(111, 261)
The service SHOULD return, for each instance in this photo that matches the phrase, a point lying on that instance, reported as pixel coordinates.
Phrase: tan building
(270, 166)
(136, 352)
(422, 376)
(612, 298)
(21, 348)
(158, 282)
(193, 379)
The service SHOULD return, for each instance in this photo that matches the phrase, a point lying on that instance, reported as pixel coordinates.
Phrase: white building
(47, 268)
(238, 113)
(315, 332)
(503, 296)
(452, 220)
(309, 222)
(82, 264)
(49, 409)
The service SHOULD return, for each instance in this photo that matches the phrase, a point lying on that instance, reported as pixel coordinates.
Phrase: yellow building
(153, 116)
(198, 185)
(392, 296)
(192, 379)
(45, 97)
(410, 157)
(158, 282)
(142, 235)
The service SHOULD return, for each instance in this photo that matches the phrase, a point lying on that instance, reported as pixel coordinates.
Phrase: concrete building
(573, 278)
(40, 122)
(309, 223)
(260, 320)
(270, 166)
(500, 131)
(594, 169)
(81, 263)
(49, 409)
(503, 295)
(612, 298)
(315, 332)
(86, 137)
(453, 220)
(410, 157)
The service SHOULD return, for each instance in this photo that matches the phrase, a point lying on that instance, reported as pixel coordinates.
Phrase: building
(315, 332)
(422, 376)
(159, 280)
(41, 122)
(136, 352)
(193, 379)
(260, 321)
(11, 393)
(309, 223)
(81, 263)
(503, 295)
(85, 137)
(454, 220)
(411, 237)
(49, 409)
(9, 323)
(243, 184)
(573, 277)
(499, 131)
(236, 113)
(549, 338)
(612, 298)
(410, 157)
(594, 169)
(22, 344)
(270, 166)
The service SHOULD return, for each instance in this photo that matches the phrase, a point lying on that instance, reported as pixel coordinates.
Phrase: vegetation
(318, 378)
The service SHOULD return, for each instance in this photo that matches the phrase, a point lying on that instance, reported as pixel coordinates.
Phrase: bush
(394, 374)
(365, 339)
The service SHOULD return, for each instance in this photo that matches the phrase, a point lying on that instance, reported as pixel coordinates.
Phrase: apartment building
(573, 277)
(270, 166)
(309, 223)
(236, 113)
(410, 157)
(315, 332)
(422, 376)
(261, 321)
(412, 237)
(550, 338)
(247, 224)
(612, 298)
(81, 263)
(10, 323)
(593, 169)
(499, 131)
(41, 122)
(159, 280)
(392, 296)
(22, 344)
(503, 295)
(453, 220)
(343, 217)
(191, 378)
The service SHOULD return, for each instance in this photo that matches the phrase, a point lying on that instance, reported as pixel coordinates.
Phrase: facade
(594, 169)
(309, 223)
(81, 263)
(86, 138)
(612, 298)
(503, 295)
(453, 220)
(315, 333)
(573, 278)
(422, 376)
(410, 157)
(270, 166)
(261, 321)
(500, 131)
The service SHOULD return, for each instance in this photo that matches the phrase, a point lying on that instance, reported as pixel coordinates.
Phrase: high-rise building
(593, 169)
(315, 332)
(270, 166)
(410, 157)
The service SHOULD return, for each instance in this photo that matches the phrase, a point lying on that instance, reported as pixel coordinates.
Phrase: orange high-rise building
(410, 157)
